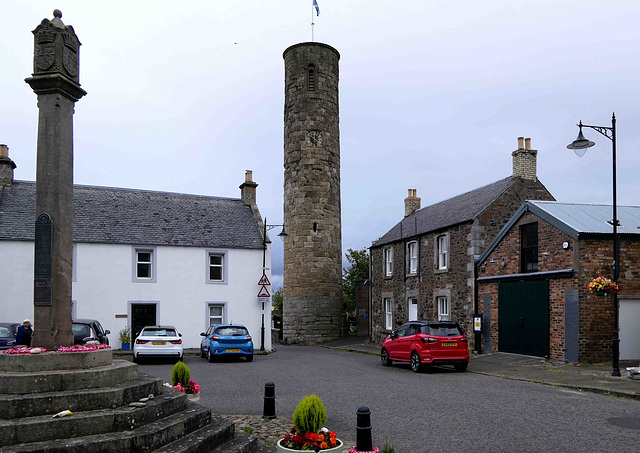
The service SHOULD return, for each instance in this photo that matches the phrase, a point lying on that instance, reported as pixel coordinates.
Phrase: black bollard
(363, 430)
(269, 410)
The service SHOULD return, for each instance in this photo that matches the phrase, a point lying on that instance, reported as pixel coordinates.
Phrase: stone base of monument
(103, 397)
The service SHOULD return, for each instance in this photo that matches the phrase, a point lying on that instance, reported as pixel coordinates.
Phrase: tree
(355, 274)
(276, 300)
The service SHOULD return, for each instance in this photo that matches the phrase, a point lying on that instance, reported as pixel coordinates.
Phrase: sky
(186, 96)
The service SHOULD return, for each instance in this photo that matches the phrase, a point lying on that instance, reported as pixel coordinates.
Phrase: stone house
(423, 267)
(533, 283)
(143, 257)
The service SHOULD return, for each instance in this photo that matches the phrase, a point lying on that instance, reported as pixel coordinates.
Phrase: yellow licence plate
(449, 344)
(159, 342)
(233, 350)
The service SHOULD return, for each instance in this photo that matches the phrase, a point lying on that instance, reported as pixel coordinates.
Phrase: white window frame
(223, 310)
(412, 253)
(387, 306)
(442, 252)
(444, 308)
(224, 266)
(388, 262)
(152, 278)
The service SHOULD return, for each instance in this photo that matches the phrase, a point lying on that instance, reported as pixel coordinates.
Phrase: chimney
(411, 203)
(6, 167)
(525, 160)
(248, 189)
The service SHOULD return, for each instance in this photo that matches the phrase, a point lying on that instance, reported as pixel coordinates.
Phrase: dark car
(8, 334)
(85, 330)
(424, 343)
(226, 340)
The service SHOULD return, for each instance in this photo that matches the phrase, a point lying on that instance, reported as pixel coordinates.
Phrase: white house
(145, 257)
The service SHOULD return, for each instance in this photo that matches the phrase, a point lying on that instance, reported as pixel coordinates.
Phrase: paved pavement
(594, 378)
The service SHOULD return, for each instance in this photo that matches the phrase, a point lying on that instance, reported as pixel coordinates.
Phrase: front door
(413, 309)
(523, 317)
(142, 315)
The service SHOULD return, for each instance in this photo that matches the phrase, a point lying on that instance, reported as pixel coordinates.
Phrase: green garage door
(523, 317)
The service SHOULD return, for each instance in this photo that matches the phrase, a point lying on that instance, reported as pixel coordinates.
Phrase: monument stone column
(55, 80)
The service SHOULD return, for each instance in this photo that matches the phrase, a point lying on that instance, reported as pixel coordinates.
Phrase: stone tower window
(312, 77)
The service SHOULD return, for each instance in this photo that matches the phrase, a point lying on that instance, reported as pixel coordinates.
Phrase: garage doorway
(523, 317)
(629, 332)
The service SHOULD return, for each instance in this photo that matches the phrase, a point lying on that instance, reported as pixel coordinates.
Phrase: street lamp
(282, 235)
(579, 146)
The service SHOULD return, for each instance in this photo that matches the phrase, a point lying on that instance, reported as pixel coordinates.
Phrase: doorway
(142, 315)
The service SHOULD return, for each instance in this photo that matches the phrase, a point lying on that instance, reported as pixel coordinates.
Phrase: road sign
(264, 292)
(264, 280)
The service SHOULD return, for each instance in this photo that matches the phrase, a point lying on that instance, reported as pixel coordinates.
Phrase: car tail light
(248, 337)
(215, 338)
(464, 339)
(429, 340)
(175, 341)
(141, 341)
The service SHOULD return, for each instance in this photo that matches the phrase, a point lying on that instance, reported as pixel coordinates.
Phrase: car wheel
(181, 358)
(384, 358)
(209, 356)
(250, 358)
(135, 359)
(415, 362)
(461, 366)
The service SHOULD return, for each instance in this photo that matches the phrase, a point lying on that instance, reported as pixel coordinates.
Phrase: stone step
(241, 443)
(126, 418)
(204, 440)
(49, 403)
(142, 439)
(62, 380)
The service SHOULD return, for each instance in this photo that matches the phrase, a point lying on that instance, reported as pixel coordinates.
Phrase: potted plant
(125, 338)
(603, 286)
(307, 432)
(181, 381)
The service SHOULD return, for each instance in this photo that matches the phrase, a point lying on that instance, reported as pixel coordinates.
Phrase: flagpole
(312, 24)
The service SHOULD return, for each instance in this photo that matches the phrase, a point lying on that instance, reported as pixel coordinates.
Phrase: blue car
(8, 334)
(226, 340)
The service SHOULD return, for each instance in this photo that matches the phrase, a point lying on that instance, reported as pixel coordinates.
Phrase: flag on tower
(315, 5)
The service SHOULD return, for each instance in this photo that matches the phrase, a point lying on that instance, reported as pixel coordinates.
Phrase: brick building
(533, 283)
(423, 268)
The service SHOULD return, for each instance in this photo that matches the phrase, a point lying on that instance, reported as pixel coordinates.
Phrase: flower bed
(74, 348)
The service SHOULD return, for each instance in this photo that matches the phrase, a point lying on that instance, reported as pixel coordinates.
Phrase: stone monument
(55, 80)
(312, 304)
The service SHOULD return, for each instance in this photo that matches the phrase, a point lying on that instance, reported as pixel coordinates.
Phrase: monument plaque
(42, 261)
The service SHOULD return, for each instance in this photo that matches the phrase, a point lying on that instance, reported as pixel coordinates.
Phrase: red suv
(427, 343)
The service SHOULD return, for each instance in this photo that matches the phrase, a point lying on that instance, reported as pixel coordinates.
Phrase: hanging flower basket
(602, 286)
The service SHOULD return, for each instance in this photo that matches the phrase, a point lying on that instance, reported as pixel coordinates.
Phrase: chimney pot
(248, 175)
(520, 142)
(4, 151)
(527, 143)
(412, 202)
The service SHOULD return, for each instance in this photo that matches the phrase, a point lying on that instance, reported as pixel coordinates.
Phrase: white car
(158, 341)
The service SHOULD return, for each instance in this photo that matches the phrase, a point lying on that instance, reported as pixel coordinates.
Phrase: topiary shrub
(180, 374)
(310, 415)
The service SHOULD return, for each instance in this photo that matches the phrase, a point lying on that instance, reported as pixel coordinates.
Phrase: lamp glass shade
(580, 144)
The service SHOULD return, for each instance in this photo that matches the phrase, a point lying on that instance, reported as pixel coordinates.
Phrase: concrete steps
(107, 415)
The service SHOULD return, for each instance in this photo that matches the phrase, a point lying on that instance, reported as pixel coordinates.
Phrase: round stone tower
(312, 306)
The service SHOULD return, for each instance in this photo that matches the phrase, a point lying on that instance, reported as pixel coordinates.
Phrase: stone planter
(337, 449)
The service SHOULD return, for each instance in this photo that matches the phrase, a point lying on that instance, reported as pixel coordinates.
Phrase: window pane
(144, 270)
(144, 257)
(215, 310)
(215, 259)
(215, 273)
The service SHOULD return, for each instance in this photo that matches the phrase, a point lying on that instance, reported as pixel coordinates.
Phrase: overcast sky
(185, 96)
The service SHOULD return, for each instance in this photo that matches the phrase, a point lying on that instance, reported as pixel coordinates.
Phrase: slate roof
(129, 216)
(460, 209)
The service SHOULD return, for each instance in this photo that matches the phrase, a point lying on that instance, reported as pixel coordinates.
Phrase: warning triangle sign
(264, 280)
(264, 292)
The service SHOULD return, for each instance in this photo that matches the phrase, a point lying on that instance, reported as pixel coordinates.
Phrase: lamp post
(282, 235)
(579, 146)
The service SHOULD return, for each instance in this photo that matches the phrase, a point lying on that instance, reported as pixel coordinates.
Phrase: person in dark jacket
(23, 336)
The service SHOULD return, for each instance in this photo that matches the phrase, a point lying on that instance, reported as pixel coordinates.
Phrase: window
(144, 264)
(388, 314)
(529, 243)
(412, 255)
(442, 252)
(388, 262)
(312, 77)
(216, 270)
(443, 308)
(216, 314)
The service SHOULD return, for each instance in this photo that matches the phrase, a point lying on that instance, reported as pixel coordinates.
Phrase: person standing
(23, 336)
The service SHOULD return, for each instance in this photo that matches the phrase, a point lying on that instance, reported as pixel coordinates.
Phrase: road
(439, 411)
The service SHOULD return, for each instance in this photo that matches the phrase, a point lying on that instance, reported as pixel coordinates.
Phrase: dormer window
(311, 76)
